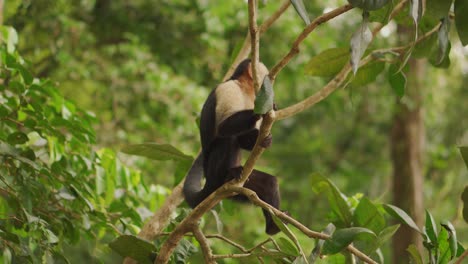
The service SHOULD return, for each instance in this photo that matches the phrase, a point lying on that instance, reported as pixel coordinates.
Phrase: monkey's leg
(266, 188)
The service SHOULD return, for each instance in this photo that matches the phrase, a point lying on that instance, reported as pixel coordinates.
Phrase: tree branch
(311, 27)
(252, 196)
(244, 51)
(203, 244)
(254, 42)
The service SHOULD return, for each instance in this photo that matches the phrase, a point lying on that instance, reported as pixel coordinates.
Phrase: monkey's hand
(266, 143)
(234, 173)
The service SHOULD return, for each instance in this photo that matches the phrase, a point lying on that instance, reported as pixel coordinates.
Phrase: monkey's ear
(249, 70)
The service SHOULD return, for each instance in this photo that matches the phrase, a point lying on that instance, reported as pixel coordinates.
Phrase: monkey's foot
(266, 143)
(234, 173)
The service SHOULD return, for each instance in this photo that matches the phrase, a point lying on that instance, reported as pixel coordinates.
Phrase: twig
(295, 47)
(207, 254)
(244, 51)
(252, 196)
(462, 257)
(254, 42)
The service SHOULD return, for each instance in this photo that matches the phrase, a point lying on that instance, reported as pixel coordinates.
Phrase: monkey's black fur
(221, 152)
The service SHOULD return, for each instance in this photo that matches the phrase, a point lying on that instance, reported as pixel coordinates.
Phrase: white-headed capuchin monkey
(227, 125)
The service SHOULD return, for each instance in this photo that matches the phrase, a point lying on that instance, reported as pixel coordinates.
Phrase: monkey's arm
(238, 123)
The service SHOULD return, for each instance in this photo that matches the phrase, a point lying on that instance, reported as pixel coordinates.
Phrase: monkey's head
(244, 70)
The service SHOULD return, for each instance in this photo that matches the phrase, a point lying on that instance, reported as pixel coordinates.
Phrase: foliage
(54, 187)
(138, 71)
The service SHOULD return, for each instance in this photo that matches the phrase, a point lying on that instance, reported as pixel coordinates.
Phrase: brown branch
(207, 254)
(252, 196)
(254, 42)
(295, 47)
(462, 257)
(244, 51)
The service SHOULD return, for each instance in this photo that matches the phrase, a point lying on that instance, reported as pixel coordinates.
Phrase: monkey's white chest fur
(231, 99)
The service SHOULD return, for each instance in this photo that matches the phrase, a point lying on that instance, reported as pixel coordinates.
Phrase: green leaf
(387, 233)
(156, 151)
(464, 153)
(444, 247)
(452, 238)
(343, 237)
(131, 246)
(367, 74)
(265, 97)
(337, 200)
(317, 251)
(381, 15)
(397, 80)
(27, 77)
(368, 215)
(359, 42)
(464, 198)
(9, 34)
(444, 42)
(282, 226)
(437, 8)
(401, 215)
(300, 9)
(461, 20)
(51, 237)
(288, 247)
(368, 5)
(183, 251)
(328, 63)
(17, 138)
(414, 253)
(431, 227)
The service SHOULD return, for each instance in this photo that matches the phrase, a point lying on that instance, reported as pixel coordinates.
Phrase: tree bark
(407, 149)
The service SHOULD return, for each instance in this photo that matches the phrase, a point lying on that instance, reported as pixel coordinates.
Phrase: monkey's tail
(193, 190)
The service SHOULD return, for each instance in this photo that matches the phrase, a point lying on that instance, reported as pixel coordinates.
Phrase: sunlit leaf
(401, 215)
(461, 20)
(367, 74)
(444, 247)
(156, 151)
(452, 238)
(368, 215)
(336, 199)
(285, 229)
(343, 237)
(431, 227)
(300, 9)
(288, 247)
(265, 97)
(134, 247)
(359, 41)
(328, 63)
